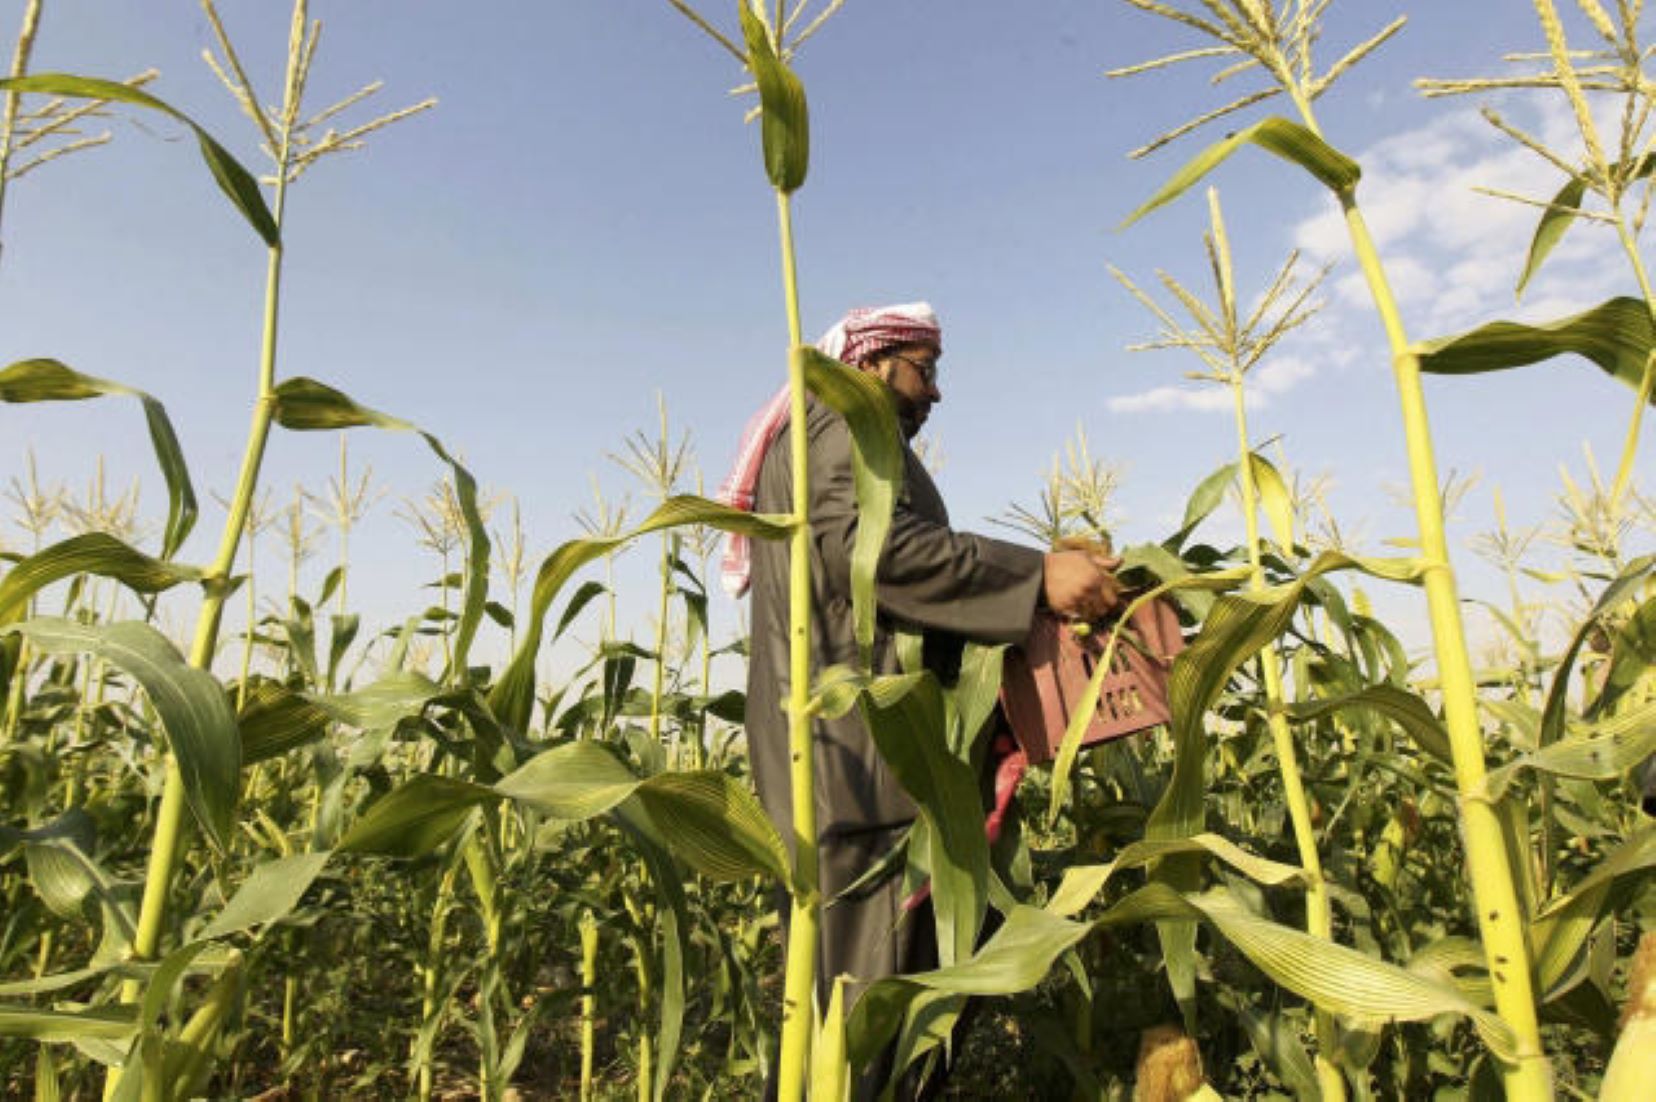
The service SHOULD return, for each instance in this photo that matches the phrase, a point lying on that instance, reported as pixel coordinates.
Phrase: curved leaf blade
(1283, 137)
(90, 553)
(236, 182)
(876, 469)
(1617, 335)
(193, 708)
(784, 122)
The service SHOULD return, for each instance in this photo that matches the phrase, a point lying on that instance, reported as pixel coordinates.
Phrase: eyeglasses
(928, 371)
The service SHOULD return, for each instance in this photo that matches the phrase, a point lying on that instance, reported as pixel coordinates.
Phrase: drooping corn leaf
(307, 405)
(416, 817)
(238, 185)
(268, 894)
(1617, 335)
(784, 122)
(904, 714)
(194, 711)
(876, 469)
(707, 817)
(46, 380)
(90, 553)
(274, 720)
(1333, 977)
(1632, 657)
(1082, 883)
(1400, 706)
(1619, 745)
(1561, 214)
(512, 698)
(1288, 140)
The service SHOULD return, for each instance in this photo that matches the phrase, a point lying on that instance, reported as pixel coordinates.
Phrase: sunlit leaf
(876, 468)
(236, 182)
(45, 380)
(1617, 335)
(1288, 140)
(194, 711)
(90, 553)
(307, 405)
(513, 695)
(784, 122)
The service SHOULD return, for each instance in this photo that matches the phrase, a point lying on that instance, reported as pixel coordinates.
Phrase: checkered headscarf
(860, 336)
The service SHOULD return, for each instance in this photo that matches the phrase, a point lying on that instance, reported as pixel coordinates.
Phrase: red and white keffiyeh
(855, 339)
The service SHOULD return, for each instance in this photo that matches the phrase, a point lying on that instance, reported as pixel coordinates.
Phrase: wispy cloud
(1452, 254)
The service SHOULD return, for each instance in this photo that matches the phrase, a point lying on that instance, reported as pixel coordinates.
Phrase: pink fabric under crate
(1043, 679)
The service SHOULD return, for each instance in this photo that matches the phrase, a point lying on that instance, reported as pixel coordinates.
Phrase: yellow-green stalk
(799, 985)
(19, 66)
(589, 1000)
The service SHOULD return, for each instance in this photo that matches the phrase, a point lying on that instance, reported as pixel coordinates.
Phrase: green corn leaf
(1621, 588)
(1400, 706)
(238, 185)
(876, 467)
(416, 818)
(707, 817)
(91, 553)
(1617, 335)
(268, 894)
(1208, 496)
(274, 720)
(395, 696)
(583, 597)
(905, 716)
(307, 405)
(106, 1023)
(784, 122)
(194, 711)
(1561, 214)
(1087, 704)
(1561, 927)
(46, 380)
(574, 782)
(1274, 497)
(1333, 977)
(1288, 140)
(714, 823)
(1620, 745)
(512, 698)
(1554, 221)
(1082, 883)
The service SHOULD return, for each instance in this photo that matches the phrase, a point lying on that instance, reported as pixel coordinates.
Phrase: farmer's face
(911, 372)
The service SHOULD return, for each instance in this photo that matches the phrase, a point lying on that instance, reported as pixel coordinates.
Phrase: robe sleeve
(929, 574)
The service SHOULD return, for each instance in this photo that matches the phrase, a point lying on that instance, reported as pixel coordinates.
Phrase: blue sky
(583, 222)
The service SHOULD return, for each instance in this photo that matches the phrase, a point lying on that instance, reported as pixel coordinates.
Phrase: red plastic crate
(1042, 680)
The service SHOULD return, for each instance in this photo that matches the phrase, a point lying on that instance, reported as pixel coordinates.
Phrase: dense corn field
(264, 847)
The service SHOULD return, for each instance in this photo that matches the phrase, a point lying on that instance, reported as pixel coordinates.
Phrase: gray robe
(950, 585)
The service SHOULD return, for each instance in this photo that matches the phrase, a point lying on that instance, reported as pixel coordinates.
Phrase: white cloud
(1163, 399)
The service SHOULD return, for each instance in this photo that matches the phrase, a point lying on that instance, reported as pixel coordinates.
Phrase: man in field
(948, 585)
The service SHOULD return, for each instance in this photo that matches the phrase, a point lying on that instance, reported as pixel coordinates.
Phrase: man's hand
(1080, 584)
